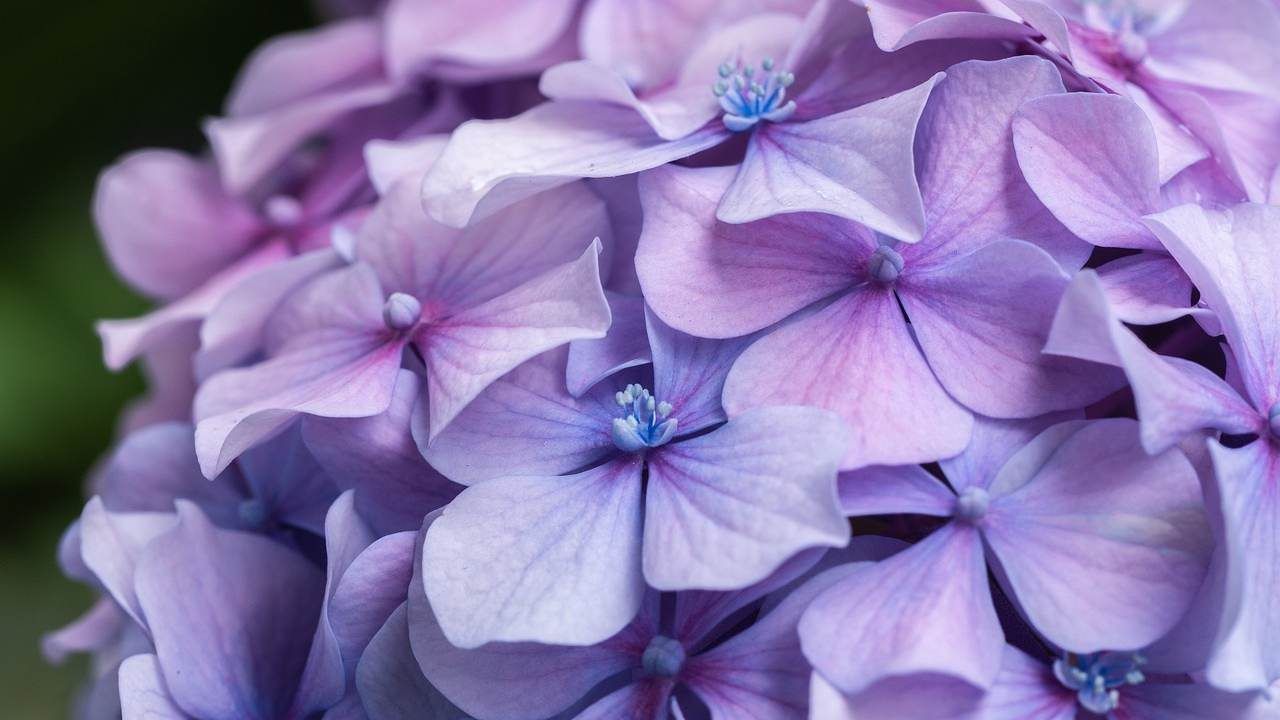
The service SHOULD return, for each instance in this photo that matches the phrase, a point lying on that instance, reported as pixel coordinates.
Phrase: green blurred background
(87, 81)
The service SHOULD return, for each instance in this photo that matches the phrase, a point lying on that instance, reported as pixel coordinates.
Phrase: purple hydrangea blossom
(973, 296)
(783, 359)
(1206, 74)
(1083, 492)
(637, 486)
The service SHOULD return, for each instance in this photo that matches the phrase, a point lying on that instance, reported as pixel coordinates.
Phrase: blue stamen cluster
(1096, 677)
(663, 657)
(646, 424)
(748, 98)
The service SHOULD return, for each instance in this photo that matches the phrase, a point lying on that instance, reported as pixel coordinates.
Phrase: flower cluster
(704, 360)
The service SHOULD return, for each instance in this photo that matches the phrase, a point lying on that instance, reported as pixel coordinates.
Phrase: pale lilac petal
(142, 691)
(1230, 45)
(323, 679)
(499, 679)
(973, 190)
(1174, 397)
(232, 616)
(292, 67)
(112, 544)
(248, 147)
(1147, 289)
(899, 23)
(95, 630)
(157, 465)
(375, 582)
(625, 345)
(340, 361)
(124, 340)
(451, 270)
(166, 223)
(233, 326)
(1103, 546)
(1099, 184)
(1247, 655)
(490, 164)
(855, 164)
(725, 509)
(391, 685)
(646, 41)
(377, 456)
(1179, 148)
(892, 489)
(548, 559)
(390, 161)
(925, 610)
(982, 320)
(525, 423)
(420, 34)
(713, 279)
(170, 381)
(672, 113)
(470, 350)
(1024, 690)
(855, 357)
(993, 443)
(1231, 257)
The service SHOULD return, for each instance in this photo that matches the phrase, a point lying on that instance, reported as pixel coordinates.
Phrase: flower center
(253, 513)
(885, 265)
(663, 657)
(971, 504)
(748, 98)
(401, 311)
(283, 211)
(1273, 418)
(646, 423)
(1123, 26)
(1095, 677)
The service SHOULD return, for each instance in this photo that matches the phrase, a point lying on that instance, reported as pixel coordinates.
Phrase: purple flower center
(1096, 676)
(1118, 29)
(971, 504)
(885, 265)
(253, 513)
(283, 211)
(748, 98)
(401, 311)
(646, 423)
(1273, 419)
(663, 657)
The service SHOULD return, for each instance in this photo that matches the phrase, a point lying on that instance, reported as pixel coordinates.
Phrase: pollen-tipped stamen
(647, 422)
(748, 98)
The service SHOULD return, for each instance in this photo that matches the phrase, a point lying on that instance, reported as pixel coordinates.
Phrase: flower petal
(232, 616)
(547, 559)
(926, 609)
(1103, 546)
(856, 358)
(377, 457)
(725, 509)
(982, 320)
(1231, 258)
(856, 164)
(490, 164)
(713, 279)
(1099, 184)
(470, 350)
(1246, 655)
